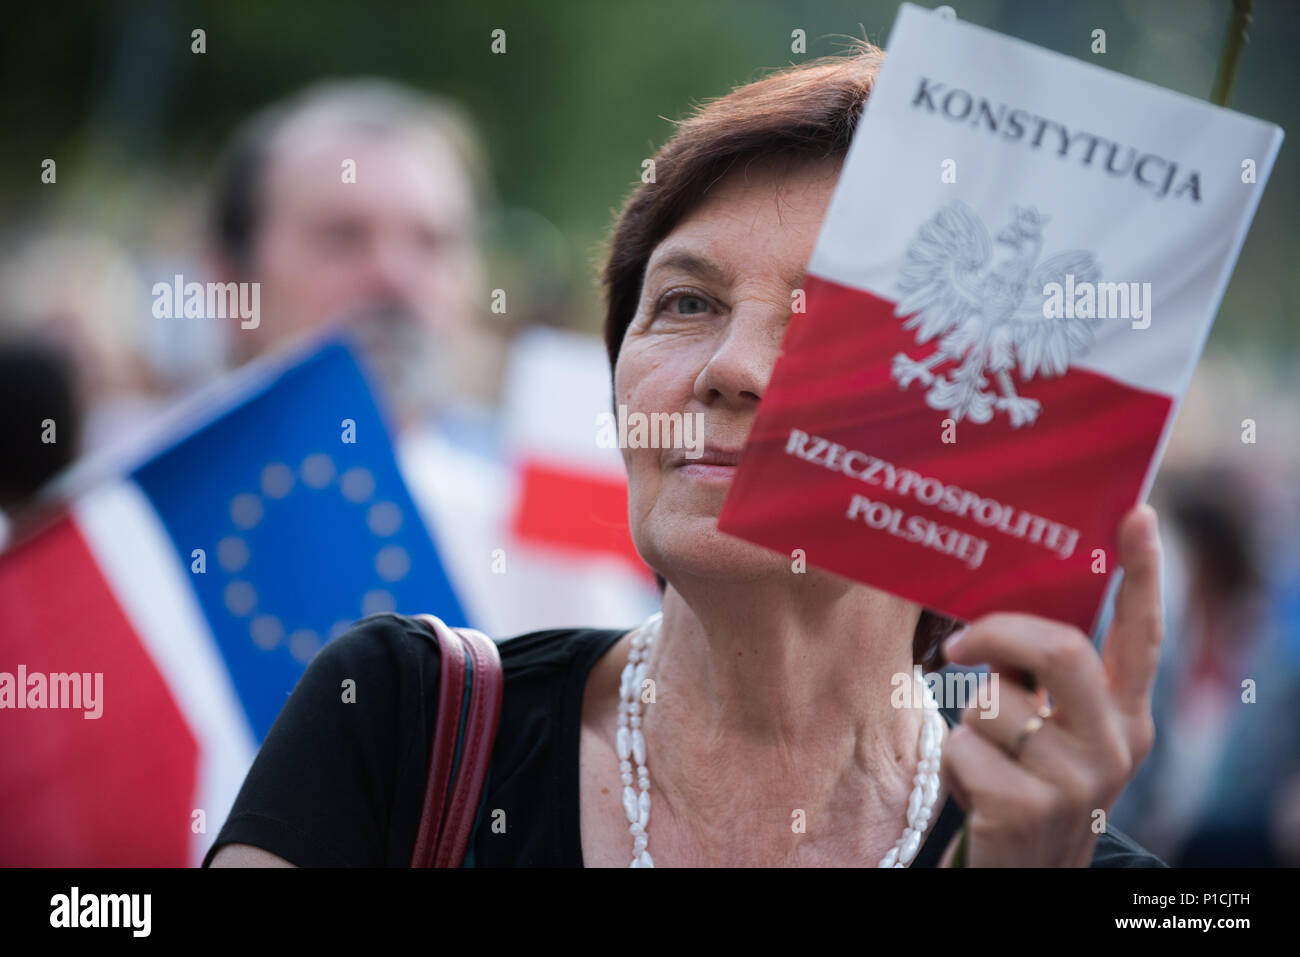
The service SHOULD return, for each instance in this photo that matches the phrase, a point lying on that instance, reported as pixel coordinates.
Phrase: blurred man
(359, 203)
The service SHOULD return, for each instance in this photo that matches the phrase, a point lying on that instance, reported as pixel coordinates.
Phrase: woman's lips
(706, 473)
(712, 465)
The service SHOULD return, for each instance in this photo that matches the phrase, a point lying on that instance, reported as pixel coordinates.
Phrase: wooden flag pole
(1238, 37)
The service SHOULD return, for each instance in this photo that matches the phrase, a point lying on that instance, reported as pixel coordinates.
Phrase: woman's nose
(744, 353)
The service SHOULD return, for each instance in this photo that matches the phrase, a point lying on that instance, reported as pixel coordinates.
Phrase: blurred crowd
(397, 257)
(355, 205)
(1222, 785)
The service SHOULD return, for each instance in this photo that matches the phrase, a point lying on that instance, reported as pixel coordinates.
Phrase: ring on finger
(1031, 726)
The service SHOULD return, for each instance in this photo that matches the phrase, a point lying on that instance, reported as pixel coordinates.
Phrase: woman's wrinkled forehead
(762, 218)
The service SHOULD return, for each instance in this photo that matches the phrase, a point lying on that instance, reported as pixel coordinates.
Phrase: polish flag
(193, 588)
(968, 406)
(573, 494)
(538, 537)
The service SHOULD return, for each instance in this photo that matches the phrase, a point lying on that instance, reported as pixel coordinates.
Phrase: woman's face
(709, 324)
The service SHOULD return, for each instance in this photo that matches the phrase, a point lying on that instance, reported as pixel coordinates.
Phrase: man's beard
(411, 366)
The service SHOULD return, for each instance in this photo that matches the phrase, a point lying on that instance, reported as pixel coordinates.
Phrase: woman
(770, 739)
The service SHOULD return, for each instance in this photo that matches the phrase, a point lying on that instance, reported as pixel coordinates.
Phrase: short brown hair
(369, 105)
(803, 112)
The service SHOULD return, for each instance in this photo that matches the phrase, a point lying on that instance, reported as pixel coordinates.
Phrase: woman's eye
(686, 304)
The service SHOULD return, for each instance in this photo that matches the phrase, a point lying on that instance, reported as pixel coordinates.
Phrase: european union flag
(295, 498)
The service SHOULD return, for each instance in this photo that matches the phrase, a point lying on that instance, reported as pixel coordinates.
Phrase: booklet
(1015, 278)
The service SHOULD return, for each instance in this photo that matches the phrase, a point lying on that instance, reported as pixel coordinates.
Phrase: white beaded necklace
(631, 747)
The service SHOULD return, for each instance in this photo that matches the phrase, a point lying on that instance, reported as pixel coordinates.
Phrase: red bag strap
(453, 789)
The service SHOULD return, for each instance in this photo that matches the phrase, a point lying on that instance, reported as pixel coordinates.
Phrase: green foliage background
(583, 95)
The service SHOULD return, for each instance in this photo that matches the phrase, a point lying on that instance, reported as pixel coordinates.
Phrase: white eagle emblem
(989, 316)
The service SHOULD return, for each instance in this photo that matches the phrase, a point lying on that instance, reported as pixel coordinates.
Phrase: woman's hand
(1041, 809)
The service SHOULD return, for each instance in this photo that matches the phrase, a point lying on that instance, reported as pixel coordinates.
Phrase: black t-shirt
(339, 783)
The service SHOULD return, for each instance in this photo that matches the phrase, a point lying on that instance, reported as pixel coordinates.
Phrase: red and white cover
(1018, 270)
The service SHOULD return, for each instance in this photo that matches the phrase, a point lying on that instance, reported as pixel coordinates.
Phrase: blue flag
(296, 500)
